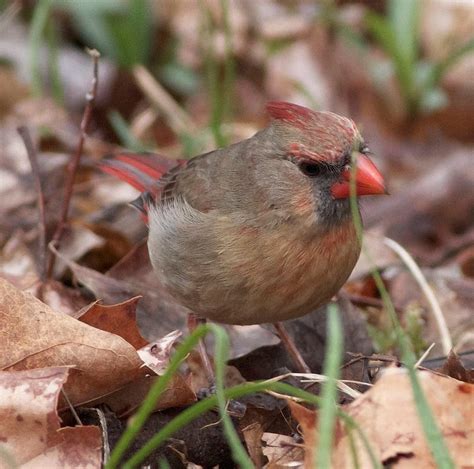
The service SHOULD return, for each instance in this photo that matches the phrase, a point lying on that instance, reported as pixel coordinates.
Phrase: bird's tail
(141, 171)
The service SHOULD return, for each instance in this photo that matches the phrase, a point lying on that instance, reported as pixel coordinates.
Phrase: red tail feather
(141, 171)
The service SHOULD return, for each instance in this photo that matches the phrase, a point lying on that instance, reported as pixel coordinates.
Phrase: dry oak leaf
(28, 417)
(390, 420)
(35, 336)
(118, 319)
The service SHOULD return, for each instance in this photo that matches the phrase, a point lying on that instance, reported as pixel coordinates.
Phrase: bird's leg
(193, 322)
(290, 346)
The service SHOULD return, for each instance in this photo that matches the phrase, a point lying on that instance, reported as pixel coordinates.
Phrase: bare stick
(74, 163)
(291, 348)
(33, 157)
(362, 300)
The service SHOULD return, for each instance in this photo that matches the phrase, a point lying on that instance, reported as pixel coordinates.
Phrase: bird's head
(323, 146)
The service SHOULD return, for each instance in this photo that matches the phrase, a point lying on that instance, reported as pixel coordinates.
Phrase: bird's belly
(246, 276)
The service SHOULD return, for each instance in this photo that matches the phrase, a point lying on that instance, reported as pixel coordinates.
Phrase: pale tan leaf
(28, 418)
(35, 336)
(76, 447)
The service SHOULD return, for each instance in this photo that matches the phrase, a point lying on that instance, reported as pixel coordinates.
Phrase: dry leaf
(28, 417)
(282, 451)
(35, 336)
(390, 420)
(76, 447)
(118, 319)
(156, 356)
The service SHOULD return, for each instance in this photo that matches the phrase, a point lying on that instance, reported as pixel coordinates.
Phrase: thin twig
(291, 348)
(74, 163)
(33, 157)
(71, 408)
(362, 300)
(426, 289)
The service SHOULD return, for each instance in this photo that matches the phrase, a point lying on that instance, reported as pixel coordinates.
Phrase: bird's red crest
(291, 113)
(322, 135)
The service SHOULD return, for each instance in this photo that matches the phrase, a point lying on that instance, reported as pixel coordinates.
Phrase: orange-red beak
(368, 180)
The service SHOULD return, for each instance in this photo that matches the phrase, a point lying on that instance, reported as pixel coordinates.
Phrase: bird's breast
(240, 273)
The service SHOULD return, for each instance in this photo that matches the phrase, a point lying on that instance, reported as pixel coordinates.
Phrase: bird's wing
(161, 179)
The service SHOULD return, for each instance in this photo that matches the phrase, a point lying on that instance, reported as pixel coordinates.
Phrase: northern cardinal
(260, 231)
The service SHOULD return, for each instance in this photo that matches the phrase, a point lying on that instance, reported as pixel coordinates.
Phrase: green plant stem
(221, 354)
(220, 90)
(328, 412)
(433, 435)
(53, 62)
(38, 24)
(191, 413)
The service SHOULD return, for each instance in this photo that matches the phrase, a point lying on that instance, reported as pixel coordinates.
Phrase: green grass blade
(440, 69)
(201, 407)
(53, 62)
(328, 411)
(148, 404)
(239, 454)
(38, 24)
(433, 435)
(121, 128)
(403, 17)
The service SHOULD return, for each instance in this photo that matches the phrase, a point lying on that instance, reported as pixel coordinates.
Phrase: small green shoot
(120, 30)
(328, 411)
(418, 80)
(121, 128)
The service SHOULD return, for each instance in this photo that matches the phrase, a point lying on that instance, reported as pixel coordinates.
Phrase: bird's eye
(310, 169)
(364, 149)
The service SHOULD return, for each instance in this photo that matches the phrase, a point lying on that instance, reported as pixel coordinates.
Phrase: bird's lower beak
(368, 180)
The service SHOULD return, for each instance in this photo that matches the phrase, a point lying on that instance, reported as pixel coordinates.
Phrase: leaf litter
(102, 330)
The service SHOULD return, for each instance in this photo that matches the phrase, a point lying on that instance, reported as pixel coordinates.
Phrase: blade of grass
(328, 411)
(439, 69)
(121, 128)
(222, 348)
(220, 89)
(433, 435)
(221, 355)
(53, 62)
(38, 24)
(403, 18)
(191, 413)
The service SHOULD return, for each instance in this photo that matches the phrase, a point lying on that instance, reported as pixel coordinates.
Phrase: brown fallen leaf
(307, 420)
(454, 367)
(156, 357)
(28, 417)
(35, 336)
(157, 311)
(118, 319)
(74, 447)
(390, 421)
(282, 451)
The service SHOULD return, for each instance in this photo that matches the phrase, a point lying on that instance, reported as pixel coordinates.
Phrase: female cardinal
(260, 231)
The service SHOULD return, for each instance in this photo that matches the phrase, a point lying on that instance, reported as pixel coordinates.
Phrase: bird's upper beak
(368, 180)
